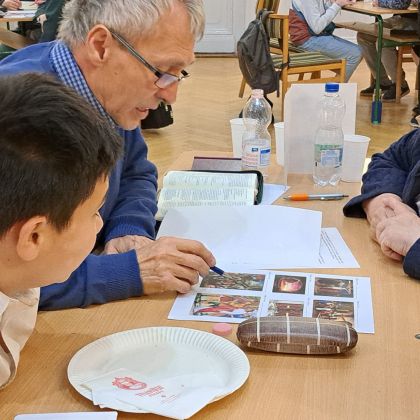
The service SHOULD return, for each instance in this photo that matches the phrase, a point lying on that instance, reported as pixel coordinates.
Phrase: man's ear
(31, 237)
(98, 41)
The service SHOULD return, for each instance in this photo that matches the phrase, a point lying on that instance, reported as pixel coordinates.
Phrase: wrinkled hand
(173, 264)
(125, 244)
(398, 234)
(12, 4)
(381, 208)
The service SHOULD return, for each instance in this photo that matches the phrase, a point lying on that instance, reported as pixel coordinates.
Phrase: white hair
(130, 18)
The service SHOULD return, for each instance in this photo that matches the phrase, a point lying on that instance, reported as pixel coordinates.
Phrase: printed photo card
(235, 297)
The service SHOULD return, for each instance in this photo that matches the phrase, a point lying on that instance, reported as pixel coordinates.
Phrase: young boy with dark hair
(55, 156)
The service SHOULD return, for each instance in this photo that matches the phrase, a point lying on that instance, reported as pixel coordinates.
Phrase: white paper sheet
(20, 14)
(105, 415)
(271, 192)
(260, 236)
(333, 252)
(242, 294)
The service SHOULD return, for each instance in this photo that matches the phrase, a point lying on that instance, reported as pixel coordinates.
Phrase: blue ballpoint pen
(217, 270)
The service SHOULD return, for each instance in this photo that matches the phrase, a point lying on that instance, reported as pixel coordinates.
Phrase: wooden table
(12, 39)
(379, 379)
(367, 8)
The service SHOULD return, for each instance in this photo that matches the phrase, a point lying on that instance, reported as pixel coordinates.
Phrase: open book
(189, 188)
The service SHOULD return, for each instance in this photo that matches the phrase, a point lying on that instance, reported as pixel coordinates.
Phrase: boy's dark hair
(54, 147)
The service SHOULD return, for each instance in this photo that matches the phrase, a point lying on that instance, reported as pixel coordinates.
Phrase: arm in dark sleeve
(411, 263)
(134, 212)
(53, 10)
(100, 279)
(387, 172)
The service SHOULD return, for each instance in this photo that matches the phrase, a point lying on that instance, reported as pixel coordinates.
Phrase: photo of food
(333, 287)
(289, 284)
(225, 306)
(279, 308)
(238, 281)
(338, 311)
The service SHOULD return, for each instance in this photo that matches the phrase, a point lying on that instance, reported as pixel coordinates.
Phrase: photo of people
(289, 284)
(279, 308)
(238, 281)
(338, 311)
(333, 287)
(225, 306)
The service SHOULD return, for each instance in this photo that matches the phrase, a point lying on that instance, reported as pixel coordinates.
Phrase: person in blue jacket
(124, 58)
(390, 200)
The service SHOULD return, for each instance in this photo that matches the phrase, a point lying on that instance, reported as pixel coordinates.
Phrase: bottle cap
(332, 87)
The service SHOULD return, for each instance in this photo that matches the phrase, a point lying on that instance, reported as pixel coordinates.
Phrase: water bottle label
(265, 157)
(251, 156)
(254, 156)
(328, 155)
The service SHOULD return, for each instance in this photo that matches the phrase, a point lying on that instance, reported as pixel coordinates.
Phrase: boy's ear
(31, 236)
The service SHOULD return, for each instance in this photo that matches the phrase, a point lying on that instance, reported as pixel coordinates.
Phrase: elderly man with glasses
(124, 57)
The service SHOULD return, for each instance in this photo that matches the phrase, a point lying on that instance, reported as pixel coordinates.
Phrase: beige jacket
(17, 321)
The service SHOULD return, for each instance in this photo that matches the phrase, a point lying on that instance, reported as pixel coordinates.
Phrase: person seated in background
(10, 5)
(390, 200)
(50, 140)
(311, 28)
(415, 119)
(388, 70)
(49, 15)
(124, 58)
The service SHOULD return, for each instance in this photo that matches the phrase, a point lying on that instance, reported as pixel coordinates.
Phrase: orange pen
(322, 197)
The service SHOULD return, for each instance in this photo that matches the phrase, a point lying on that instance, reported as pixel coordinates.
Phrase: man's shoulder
(33, 58)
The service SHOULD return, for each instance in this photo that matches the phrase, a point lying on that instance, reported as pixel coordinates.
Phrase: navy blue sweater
(129, 209)
(397, 171)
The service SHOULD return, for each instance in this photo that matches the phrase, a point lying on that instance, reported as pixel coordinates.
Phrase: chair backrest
(267, 4)
(275, 28)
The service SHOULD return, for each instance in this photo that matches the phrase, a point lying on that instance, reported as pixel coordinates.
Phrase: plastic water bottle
(329, 137)
(256, 140)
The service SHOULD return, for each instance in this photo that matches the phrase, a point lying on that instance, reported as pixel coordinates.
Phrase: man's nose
(168, 94)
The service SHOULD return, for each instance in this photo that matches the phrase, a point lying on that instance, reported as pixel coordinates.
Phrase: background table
(12, 39)
(369, 9)
(377, 380)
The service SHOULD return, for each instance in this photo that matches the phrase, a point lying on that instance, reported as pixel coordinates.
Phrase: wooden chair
(293, 62)
(403, 56)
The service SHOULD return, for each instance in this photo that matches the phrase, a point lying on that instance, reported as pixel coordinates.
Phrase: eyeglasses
(164, 79)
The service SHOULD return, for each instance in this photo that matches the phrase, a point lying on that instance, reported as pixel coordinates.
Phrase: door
(226, 20)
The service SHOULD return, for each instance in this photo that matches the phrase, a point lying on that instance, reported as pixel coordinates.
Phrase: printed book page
(186, 188)
(237, 296)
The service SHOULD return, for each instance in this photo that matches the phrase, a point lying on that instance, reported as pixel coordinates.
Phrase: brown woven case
(290, 334)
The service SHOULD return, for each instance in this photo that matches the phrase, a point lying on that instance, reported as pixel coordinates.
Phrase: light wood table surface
(369, 9)
(379, 379)
(12, 39)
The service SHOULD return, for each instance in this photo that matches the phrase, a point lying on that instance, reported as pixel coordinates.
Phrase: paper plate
(160, 352)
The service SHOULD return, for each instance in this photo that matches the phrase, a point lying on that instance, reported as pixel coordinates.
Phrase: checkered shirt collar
(69, 73)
